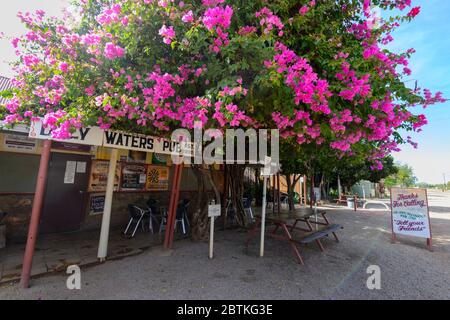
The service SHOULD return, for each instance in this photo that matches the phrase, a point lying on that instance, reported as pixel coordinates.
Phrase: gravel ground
(408, 270)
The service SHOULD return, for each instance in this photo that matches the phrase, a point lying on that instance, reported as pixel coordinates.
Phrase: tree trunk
(291, 181)
(199, 224)
(236, 182)
(290, 193)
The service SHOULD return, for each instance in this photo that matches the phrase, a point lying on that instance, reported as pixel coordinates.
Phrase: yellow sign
(157, 178)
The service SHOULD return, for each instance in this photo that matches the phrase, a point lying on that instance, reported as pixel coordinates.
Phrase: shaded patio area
(54, 253)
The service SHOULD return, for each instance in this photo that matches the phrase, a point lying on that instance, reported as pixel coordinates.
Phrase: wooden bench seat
(318, 234)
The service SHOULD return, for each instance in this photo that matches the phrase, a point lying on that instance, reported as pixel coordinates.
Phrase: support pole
(278, 194)
(106, 219)
(170, 227)
(36, 214)
(339, 188)
(273, 194)
(305, 191)
(211, 239)
(263, 218)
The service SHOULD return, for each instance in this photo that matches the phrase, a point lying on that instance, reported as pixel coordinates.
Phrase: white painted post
(263, 218)
(106, 220)
(211, 239)
(339, 188)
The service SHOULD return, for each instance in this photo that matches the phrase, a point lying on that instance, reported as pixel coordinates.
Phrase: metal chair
(154, 211)
(247, 203)
(138, 216)
(181, 217)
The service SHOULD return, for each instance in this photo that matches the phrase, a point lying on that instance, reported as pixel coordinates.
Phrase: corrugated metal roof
(5, 84)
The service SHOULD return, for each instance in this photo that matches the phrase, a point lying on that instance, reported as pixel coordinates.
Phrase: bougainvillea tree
(316, 70)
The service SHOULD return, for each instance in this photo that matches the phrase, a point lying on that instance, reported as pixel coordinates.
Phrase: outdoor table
(288, 223)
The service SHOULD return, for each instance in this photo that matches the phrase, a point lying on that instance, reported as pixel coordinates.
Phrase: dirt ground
(408, 270)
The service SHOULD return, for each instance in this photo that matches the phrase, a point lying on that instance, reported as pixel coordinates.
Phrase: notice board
(410, 213)
(134, 177)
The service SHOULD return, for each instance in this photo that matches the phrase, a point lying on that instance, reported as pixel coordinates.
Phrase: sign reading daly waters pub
(95, 136)
(410, 213)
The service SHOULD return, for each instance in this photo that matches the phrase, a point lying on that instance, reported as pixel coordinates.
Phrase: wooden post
(305, 191)
(170, 226)
(36, 214)
(106, 219)
(225, 197)
(278, 194)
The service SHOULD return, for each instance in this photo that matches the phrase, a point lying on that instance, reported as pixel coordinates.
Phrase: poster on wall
(157, 178)
(19, 143)
(410, 213)
(134, 177)
(97, 204)
(99, 176)
(69, 174)
(158, 158)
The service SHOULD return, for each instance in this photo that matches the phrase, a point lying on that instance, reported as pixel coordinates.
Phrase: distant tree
(403, 178)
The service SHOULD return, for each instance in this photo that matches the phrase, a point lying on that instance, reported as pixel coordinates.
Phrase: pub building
(76, 184)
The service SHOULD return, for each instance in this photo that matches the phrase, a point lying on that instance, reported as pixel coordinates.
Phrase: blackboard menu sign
(134, 177)
(97, 205)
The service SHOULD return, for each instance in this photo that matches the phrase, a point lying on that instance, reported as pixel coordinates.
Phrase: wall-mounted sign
(157, 178)
(99, 176)
(19, 143)
(97, 204)
(410, 214)
(71, 147)
(134, 177)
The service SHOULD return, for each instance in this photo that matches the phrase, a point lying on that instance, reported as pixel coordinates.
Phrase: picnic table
(295, 235)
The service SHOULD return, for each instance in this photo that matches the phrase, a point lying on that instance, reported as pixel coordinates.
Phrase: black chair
(155, 212)
(247, 203)
(181, 217)
(137, 216)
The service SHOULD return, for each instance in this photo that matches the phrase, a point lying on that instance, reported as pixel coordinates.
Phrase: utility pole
(445, 183)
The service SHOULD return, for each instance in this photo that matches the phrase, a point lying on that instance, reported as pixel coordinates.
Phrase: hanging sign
(138, 142)
(116, 139)
(410, 213)
(88, 136)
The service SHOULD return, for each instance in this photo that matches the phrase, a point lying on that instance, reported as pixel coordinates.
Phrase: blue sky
(429, 34)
